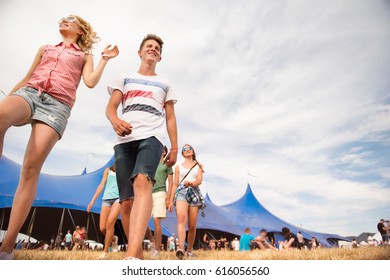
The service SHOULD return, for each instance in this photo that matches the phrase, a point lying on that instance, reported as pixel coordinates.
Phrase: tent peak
(207, 197)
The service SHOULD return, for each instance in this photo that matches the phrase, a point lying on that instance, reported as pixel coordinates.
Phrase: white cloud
(292, 92)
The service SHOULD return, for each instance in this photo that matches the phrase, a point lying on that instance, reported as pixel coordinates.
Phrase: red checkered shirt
(59, 72)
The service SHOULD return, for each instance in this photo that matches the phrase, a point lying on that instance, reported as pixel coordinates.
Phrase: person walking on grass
(147, 107)
(68, 240)
(187, 198)
(160, 199)
(44, 98)
(110, 207)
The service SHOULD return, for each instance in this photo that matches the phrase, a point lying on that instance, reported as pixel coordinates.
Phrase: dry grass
(367, 253)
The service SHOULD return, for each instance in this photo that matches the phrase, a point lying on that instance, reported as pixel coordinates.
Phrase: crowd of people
(135, 186)
(266, 241)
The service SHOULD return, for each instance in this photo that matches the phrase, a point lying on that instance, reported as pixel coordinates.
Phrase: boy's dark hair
(152, 37)
(285, 230)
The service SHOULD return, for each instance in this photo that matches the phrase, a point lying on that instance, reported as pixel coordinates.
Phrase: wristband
(105, 56)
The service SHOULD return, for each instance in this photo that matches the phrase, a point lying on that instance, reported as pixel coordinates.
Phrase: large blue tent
(75, 192)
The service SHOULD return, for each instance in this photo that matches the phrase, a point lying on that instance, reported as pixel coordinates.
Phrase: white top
(236, 245)
(191, 176)
(143, 101)
(300, 238)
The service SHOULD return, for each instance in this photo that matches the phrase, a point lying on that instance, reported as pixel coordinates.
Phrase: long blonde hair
(88, 38)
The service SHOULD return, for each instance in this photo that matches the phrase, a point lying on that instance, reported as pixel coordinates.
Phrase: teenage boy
(147, 106)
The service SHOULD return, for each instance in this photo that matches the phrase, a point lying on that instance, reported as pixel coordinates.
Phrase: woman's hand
(110, 52)
(89, 207)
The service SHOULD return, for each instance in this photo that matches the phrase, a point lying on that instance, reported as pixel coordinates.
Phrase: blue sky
(295, 93)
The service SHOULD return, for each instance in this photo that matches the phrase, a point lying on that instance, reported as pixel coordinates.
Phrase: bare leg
(182, 214)
(110, 226)
(14, 110)
(126, 206)
(42, 140)
(157, 233)
(140, 214)
(103, 218)
(149, 234)
(192, 217)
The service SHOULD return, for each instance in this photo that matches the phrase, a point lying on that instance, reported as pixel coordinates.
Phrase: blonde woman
(44, 98)
(187, 198)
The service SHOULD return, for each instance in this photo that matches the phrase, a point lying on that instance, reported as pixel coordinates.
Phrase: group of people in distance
(44, 98)
(264, 241)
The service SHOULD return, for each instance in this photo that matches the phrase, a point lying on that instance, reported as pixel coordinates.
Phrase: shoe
(103, 256)
(131, 259)
(190, 255)
(6, 257)
(180, 254)
(155, 255)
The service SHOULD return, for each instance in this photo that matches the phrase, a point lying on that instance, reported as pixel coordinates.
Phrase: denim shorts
(109, 202)
(46, 109)
(133, 158)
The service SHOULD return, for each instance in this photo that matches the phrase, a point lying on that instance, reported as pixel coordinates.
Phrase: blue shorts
(109, 202)
(133, 158)
(46, 109)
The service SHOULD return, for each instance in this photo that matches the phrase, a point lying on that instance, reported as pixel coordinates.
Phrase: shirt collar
(72, 44)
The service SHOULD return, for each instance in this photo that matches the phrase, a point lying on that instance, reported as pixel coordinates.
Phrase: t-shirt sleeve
(171, 95)
(116, 84)
(170, 171)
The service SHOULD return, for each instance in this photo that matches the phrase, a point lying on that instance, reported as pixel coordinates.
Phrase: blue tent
(75, 192)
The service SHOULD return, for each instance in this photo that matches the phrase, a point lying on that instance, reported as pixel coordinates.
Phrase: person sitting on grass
(246, 240)
(263, 242)
(290, 242)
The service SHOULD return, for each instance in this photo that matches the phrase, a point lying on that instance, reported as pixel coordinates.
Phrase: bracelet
(174, 150)
(105, 56)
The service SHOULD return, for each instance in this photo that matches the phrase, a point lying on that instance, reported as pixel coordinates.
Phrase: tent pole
(2, 221)
(61, 222)
(70, 214)
(88, 214)
(30, 226)
(94, 225)
(2, 218)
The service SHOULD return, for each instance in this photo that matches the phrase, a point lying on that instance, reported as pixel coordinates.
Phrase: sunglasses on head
(187, 149)
(68, 19)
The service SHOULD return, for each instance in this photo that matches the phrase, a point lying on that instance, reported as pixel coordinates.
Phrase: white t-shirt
(143, 101)
(236, 245)
(191, 176)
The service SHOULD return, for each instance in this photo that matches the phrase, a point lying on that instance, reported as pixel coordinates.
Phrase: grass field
(363, 253)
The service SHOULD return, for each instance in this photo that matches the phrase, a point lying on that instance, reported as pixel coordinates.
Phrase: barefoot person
(160, 199)
(187, 198)
(263, 242)
(44, 98)
(147, 106)
(110, 207)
